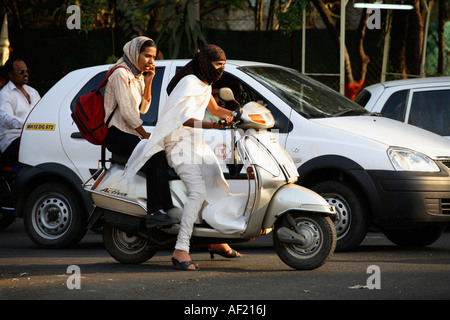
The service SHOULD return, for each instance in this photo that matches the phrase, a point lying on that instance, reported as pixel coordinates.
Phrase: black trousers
(156, 169)
(11, 154)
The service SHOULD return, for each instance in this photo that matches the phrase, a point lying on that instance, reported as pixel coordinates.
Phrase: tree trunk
(443, 7)
(400, 19)
(363, 60)
(352, 86)
(415, 38)
(259, 15)
(271, 17)
(407, 40)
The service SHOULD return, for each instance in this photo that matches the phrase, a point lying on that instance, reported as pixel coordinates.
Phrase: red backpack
(89, 114)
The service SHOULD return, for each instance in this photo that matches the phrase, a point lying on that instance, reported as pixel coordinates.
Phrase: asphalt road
(377, 270)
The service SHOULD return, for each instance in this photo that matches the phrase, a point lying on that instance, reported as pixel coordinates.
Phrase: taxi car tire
(53, 216)
(417, 237)
(352, 221)
(6, 219)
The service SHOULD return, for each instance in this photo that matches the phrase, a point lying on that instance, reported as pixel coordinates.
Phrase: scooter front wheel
(304, 241)
(124, 248)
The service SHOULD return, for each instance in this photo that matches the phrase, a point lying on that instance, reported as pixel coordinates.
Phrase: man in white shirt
(16, 101)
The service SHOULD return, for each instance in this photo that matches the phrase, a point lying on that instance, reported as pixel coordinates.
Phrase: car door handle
(76, 135)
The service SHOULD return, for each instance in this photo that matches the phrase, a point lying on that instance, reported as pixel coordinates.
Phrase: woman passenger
(129, 91)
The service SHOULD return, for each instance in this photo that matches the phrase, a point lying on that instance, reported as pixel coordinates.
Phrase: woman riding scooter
(176, 131)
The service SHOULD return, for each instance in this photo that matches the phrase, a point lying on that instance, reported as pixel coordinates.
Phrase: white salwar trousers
(185, 157)
(192, 178)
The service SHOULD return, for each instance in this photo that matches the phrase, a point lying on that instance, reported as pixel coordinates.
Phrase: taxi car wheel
(415, 237)
(53, 216)
(352, 221)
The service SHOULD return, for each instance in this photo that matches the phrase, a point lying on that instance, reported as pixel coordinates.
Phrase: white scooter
(304, 234)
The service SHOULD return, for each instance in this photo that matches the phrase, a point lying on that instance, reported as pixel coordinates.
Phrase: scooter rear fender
(292, 197)
(95, 218)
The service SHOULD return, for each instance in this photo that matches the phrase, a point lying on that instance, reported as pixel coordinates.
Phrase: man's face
(20, 74)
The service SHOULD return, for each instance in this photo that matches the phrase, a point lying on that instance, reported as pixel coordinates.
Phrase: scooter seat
(118, 159)
(122, 160)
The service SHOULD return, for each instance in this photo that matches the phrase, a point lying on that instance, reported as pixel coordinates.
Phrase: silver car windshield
(305, 95)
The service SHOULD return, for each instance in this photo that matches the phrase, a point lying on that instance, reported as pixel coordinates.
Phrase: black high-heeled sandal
(184, 265)
(232, 255)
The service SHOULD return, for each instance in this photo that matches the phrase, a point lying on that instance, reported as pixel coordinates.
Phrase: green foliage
(222, 3)
(125, 14)
(291, 19)
(180, 32)
(111, 59)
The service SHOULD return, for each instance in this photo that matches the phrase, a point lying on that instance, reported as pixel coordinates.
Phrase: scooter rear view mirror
(226, 94)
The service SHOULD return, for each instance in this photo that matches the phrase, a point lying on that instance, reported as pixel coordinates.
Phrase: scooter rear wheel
(124, 248)
(319, 244)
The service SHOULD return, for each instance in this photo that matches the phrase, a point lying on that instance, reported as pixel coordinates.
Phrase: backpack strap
(103, 83)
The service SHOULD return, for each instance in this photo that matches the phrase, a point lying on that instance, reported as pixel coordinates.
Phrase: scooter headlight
(409, 160)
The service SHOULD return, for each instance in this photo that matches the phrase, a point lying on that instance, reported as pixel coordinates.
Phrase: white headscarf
(131, 52)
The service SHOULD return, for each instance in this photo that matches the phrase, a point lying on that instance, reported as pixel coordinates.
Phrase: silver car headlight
(410, 160)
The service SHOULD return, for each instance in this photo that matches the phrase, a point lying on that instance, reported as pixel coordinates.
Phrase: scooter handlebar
(236, 116)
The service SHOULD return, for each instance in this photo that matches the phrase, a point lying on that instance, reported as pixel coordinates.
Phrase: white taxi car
(376, 171)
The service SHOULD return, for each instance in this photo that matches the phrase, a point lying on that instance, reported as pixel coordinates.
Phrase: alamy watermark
(374, 280)
(74, 280)
(374, 20)
(74, 21)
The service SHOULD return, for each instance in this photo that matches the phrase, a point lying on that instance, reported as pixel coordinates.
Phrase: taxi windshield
(305, 95)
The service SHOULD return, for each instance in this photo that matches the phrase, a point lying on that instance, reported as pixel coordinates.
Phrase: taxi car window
(362, 98)
(395, 106)
(430, 110)
(88, 87)
(243, 94)
(150, 117)
(306, 96)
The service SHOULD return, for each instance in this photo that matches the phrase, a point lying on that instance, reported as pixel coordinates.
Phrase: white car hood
(391, 133)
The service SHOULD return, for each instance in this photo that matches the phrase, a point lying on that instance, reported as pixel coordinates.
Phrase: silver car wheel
(51, 217)
(343, 219)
